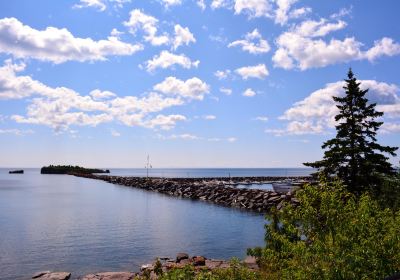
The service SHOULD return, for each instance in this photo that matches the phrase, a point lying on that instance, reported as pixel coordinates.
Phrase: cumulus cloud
(61, 107)
(166, 60)
(183, 36)
(252, 43)
(193, 88)
(138, 20)
(57, 45)
(249, 93)
(302, 47)
(316, 113)
(258, 71)
(254, 8)
(283, 12)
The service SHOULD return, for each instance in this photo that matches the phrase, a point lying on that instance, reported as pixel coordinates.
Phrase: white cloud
(138, 20)
(164, 122)
(384, 47)
(201, 4)
(98, 94)
(115, 133)
(299, 48)
(100, 5)
(226, 91)
(97, 4)
(183, 36)
(254, 8)
(249, 93)
(209, 117)
(216, 4)
(166, 59)
(57, 45)
(169, 3)
(193, 88)
(258, 71)
(60, 108)
(261, 118)
(231, 139)
(253, 43)
(17, 132)
(222, 74)
(316, 113)
(388, 127)
(283, 13)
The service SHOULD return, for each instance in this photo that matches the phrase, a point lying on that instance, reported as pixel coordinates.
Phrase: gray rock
(110, 276)
(181, 256)
(47, 275)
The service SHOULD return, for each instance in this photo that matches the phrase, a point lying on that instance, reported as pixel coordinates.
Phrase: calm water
(64, 223)
(213, 172)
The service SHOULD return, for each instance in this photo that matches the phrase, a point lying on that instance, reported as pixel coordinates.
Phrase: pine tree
(354, 155)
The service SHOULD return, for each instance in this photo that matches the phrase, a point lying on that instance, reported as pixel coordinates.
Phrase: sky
(192, 83)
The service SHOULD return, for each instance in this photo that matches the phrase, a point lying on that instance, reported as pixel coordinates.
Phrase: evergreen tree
(354, 154)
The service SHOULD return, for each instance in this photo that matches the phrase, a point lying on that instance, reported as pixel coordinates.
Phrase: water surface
(65, 223)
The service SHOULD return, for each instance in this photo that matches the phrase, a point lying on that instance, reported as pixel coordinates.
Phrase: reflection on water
(61, 222)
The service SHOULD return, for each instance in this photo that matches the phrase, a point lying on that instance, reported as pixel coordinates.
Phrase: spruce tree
(354, 156)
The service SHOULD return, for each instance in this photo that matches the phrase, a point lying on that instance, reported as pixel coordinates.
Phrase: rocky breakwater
(220, 191)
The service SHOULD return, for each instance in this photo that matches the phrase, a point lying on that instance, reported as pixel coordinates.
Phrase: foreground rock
(111, 276)
(221, 191)
(48, 275)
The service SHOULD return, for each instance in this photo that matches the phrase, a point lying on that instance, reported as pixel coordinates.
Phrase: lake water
(65, 223)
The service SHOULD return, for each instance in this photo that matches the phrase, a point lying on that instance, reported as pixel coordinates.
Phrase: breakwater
(221, 191)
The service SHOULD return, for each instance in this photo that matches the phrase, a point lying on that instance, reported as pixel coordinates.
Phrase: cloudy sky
(193, 83)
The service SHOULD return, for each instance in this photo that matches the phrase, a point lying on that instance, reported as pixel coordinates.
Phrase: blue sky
(213, 83)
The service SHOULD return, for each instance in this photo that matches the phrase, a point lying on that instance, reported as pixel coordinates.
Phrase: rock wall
(220, 191)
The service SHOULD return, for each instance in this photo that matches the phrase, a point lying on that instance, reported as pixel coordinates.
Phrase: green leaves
(331, 235)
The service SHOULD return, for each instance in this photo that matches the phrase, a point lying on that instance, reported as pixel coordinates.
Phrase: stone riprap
(221, 191)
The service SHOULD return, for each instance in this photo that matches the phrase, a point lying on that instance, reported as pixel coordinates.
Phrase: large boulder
(198, 261)
(47, 275)
(181, 256)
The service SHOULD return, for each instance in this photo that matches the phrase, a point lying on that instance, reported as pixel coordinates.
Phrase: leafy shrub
(331, 235)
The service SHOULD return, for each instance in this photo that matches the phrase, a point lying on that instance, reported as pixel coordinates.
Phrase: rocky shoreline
(222, 191)
(150, 271)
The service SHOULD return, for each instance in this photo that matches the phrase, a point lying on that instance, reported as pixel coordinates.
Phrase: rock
(41, 273)
(185, 262)
(199, 260)
(213, 264)
(148, 266)
(250, 262)
(181, 256)
(110, 276)
(47, 275)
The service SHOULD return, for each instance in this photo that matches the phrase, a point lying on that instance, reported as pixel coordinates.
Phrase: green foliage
(236, 271)
(388, 193)
(354, 155)
(158, 267)
(331, 235)
(68, 169)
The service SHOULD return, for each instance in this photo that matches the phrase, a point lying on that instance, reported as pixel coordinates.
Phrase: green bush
(236, 271)
(331, 235)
